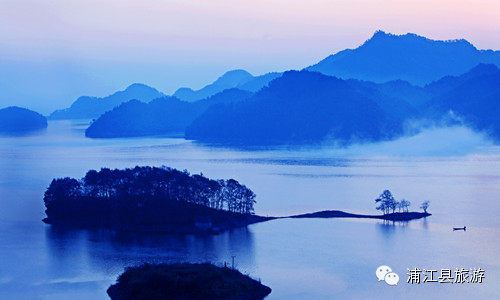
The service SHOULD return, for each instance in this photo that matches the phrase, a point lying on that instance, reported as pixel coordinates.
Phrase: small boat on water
(459, 228)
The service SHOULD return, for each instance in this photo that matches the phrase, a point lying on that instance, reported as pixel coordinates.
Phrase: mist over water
(455, 168)
(435, 141)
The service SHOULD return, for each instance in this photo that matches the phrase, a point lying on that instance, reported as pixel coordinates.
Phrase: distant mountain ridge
(383, 58)
(161, 116)
(370, 93)
(308, 107)
(303, 107)
(300, 107)
(92, 107)
(473, 99)
(410, 57)
(239, 79)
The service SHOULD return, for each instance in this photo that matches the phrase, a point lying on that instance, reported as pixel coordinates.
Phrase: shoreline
(173, 229)
(161, 229)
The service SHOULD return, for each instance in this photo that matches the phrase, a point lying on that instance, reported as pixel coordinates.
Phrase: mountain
(92, 107)
(258, 82)
(398, 98)
(303, 107)
(17, 120)
(300, 107)
(409, 57)
(473, 98)
(240, 79)
(167, 115)
(448, 83)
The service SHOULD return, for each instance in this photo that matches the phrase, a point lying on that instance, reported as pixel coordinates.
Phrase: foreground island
(186, 281)
(149, 199)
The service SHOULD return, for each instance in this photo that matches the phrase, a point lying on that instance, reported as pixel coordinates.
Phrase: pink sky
(158, 39)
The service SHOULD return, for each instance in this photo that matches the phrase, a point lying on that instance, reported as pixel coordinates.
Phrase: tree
(386, 202)
(124, 196)
(404, 204)
(425, 205)
(63, 196)
(394, 205)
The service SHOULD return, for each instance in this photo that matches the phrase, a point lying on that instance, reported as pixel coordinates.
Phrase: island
(186, 281)
(386, 203)
(166, 200)
(19, 121)
(150, 199)
(399, 216)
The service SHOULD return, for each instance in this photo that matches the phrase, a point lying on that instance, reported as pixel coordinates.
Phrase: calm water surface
(298, 259)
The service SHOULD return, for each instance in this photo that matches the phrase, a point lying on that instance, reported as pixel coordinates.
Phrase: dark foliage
(146, 196)
(186, 281)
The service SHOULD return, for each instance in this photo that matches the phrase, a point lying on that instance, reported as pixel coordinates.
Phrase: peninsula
(397, 216)
(166, 200)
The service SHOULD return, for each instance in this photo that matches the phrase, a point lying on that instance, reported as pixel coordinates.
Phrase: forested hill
(148, 197)
(18, 120)
(473, 99)
(303, 107)
(161, 116)
(298, 108)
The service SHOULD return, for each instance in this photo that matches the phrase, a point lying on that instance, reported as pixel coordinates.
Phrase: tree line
(117, 193)
(387, 203)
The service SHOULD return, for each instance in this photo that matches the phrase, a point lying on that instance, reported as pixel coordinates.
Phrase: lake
(456, 169)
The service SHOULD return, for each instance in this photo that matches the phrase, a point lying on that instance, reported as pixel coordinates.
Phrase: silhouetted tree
(62, 197)
(404, 204)
(386, 202)
(425, 205)
(142, 193)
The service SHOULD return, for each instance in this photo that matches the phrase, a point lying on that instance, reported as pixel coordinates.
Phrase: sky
(52, 51)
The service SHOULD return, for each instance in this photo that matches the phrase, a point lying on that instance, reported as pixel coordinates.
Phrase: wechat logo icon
(385, 273)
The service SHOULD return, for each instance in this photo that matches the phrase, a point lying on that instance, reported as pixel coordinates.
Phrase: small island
(387, 204)
(399, 216)
(150, 199)
(19, 121)
(186, 281)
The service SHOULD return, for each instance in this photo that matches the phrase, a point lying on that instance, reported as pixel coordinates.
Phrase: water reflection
(109, 251)
(388, 228)
(20, 134)
(425, 225)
